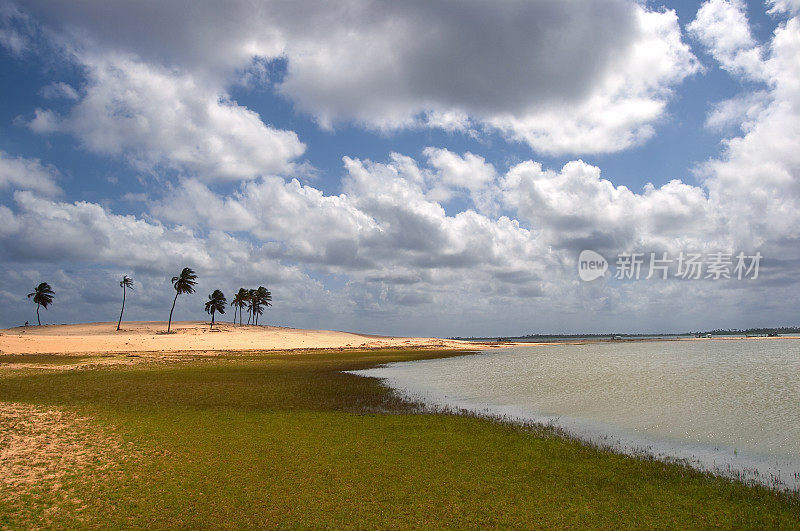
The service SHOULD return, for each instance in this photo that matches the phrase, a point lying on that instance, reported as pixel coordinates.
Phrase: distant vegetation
(756, 331)
(719, 332)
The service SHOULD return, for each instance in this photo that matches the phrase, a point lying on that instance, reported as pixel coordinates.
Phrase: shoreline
(749, 469)
(775, 472)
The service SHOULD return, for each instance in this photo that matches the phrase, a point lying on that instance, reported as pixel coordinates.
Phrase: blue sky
(430, 168)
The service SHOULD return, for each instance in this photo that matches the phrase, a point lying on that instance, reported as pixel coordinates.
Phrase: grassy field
(288, 440)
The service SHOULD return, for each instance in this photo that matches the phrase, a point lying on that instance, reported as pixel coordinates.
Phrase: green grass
(41, 359)
(243, 441)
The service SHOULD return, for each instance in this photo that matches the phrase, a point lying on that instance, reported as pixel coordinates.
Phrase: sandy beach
(195, 336)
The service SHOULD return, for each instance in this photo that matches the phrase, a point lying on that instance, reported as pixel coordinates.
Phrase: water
(728, 406)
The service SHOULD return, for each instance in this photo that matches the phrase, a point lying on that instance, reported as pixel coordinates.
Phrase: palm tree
(184, 283)
(125, 283)
(239, 302)
(257, 310)
(42, 296)
(264, 298)
(252, 305)
(215, 303)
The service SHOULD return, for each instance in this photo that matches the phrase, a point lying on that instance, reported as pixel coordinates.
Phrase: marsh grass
(41, 359)
(290, 440)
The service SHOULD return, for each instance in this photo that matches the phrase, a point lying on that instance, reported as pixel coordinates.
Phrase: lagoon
(729, 406)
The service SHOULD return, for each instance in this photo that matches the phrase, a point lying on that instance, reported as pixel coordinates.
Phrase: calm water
(732, 407)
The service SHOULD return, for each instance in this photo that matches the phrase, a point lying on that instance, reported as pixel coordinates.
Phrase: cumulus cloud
(757, 180)
(403, 255)
(156, 117)
(384, 226)
(625, 101)
(27, 174)
(739, 112)
(722, 27)
(469, 172)
(562, 76)
(576, 208)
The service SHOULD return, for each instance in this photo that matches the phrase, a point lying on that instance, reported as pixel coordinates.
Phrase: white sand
(193, 336)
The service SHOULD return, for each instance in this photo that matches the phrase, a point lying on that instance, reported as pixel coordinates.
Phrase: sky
(425, 167)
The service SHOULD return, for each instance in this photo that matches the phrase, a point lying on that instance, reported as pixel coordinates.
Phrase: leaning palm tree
(126, 283)
(42, 296)
(184, 283)
(264, 297)
(239, 302)
(215, 303)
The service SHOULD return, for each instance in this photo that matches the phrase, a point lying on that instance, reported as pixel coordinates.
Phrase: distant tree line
(718, 332)
(252, 300)
(755, 331)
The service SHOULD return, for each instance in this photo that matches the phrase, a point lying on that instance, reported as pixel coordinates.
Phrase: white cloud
(469, 171)
(784, 6)
(385, 225)
(739, 112)
(757, 180)
(27, 174)
(624, 102)
(156, 117)
(609, 106)
(576, 209)
(722, 27)
(562, 76)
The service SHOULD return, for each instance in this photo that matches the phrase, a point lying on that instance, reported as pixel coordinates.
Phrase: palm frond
(216, 302)
(185, 282)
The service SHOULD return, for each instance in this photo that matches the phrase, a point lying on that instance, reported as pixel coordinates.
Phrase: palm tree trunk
(37, 315)
(123, 308)
(170, 312)
(212, 319)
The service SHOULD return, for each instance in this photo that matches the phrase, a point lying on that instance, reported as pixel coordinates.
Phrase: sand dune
(193, 336)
